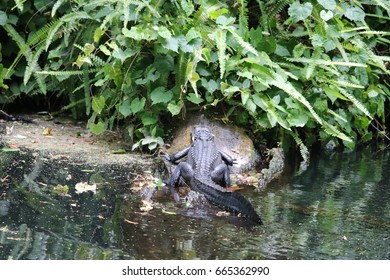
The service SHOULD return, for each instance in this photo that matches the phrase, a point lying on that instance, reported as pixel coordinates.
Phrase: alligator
(207, 172)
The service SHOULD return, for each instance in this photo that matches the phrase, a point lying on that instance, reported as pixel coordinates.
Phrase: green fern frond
(337, 116)
(310, 68)
(287, 87)
(32, 65)
(221, 45)
(333, 131)
(54, 27)
(56, 6)
(276, 7)
(25, 48)
(245, 45)
(19, 4)
(329, 69)
(22, 49)
(67, 73)
(73, 16)
(304, 151)
(243, 16)
(356, 102)
(384, 4)
(373, 32)
(326, 62)
(348, 84)
(374, 59)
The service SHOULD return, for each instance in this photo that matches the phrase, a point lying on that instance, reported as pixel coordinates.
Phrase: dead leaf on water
(234, 188)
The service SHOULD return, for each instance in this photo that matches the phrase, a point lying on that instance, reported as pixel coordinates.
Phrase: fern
(54, 27)
(221, 45)
(384, 4)
(245, 45)
(333, 131)
(310, 68)
(304, 151)
(356, 102)
(32, 65)
(276, 7)
(56, 6)
(287, 87)
(243, 16)
(326, 62)
(66, 73)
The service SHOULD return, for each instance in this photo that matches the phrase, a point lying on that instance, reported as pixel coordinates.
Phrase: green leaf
(326, 15)
(299, 12)
(194, 98)
(123, 55)
(164, 32)
(3, 18)
(96, 129)
(149, 118)
(7, 150)
(175, 107)
(355, 14)
(224, 21)
(160, 95)
(124, 108)
(172, 44)
(210, 85)
(187, 6)
(137, 105)
(97, 34)
(98, 104)
(105, 50)
(298, 50)
(192, 34)
(244, 96)
(328, 4)
(333, 94)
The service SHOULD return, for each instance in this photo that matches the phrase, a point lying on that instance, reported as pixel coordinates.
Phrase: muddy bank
(66, 153)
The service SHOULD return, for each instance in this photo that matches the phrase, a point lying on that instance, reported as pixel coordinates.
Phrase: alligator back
(228, 200)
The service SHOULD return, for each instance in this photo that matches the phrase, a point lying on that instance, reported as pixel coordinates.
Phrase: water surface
(339, 208)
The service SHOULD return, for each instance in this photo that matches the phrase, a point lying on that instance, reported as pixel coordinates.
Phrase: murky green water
(339, 208)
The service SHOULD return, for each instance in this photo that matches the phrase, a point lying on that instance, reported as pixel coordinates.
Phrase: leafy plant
(314, 69)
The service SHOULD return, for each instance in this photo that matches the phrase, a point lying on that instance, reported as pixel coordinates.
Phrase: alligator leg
(173, 158)
(221, 175)
(182, 170)
(227, 159)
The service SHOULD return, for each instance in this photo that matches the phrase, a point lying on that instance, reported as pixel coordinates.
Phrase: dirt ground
(64, 136)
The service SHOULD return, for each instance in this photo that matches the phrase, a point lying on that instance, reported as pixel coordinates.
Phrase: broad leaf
(328, 4)
(98, 104)
(137, 105)
(160, 95)
(299, 12)
(124, 108)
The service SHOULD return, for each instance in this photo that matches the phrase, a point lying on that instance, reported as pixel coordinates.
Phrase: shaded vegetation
(304, 70)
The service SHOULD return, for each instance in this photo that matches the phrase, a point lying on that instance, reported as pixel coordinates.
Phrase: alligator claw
(166, 156)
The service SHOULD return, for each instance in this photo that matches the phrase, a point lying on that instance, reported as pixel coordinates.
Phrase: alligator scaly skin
(205, 167)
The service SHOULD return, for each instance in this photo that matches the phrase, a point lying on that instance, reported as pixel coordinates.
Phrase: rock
(229, 139)
(275, 167)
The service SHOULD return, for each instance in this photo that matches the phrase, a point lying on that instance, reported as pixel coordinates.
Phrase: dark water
(339, 208)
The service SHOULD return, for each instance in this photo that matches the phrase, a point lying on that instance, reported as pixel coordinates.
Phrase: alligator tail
(231, 201)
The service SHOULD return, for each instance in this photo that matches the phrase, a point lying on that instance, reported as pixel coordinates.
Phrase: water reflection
(339, 208)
